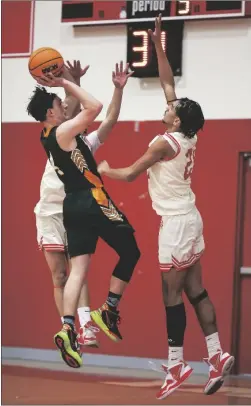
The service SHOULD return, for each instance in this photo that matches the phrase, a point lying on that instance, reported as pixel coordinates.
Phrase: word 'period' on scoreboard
(123, 12)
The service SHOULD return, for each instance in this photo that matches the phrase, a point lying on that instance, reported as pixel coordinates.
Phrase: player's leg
(177, 370)
(52, 241)
(172, 289)
(81, 244)
(87, 333)
(66, 339)
(219, 363)
(174, 250)
(58, 267)
(121, 238)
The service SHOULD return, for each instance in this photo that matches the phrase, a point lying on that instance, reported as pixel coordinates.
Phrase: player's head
(184, 115)
(46, 107)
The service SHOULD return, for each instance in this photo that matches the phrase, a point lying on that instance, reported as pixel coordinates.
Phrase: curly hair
(190, 115)
(39, 103)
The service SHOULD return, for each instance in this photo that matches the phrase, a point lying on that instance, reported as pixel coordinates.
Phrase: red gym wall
(26, 285)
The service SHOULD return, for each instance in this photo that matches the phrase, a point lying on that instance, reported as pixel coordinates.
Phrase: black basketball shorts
(85, 222)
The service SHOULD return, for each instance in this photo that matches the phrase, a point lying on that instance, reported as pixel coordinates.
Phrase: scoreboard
(141, 54)
(122, 12)
(139, 16)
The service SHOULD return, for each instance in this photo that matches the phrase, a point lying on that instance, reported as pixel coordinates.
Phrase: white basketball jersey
(52, 191)
(169, 180)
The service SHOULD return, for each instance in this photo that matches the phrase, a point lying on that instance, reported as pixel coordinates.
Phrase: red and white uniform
(51, 234)
(181, 240)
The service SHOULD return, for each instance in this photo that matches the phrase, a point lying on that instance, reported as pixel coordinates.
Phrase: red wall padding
(16, 26)
(29, 315)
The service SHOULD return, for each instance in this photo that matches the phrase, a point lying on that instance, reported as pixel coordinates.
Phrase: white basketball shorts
(181, 241)
(51, 234)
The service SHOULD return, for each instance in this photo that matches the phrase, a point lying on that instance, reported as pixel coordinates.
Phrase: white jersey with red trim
(52, 191)
(170, 180)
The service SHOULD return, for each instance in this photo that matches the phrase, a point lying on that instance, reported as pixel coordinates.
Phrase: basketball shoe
(175, 376)
(107, 320)
(220, 365)
(66, 341)
(87, 335)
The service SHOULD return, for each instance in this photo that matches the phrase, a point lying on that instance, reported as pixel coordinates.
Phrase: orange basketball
(45, 60)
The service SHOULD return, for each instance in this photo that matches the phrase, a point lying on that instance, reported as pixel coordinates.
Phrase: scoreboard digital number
(182, 9)
(139, 16)
(124, 12)
(141, 54)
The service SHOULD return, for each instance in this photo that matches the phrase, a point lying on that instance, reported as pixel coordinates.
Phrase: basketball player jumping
(88, 210)
(169, 161)
(51, 234)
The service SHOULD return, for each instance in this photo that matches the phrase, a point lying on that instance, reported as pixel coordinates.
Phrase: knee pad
(196, 300)
(126, 265)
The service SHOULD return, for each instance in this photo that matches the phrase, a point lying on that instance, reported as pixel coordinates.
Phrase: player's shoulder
(173, 135)
(176, 139)
(48, 138)
(179, 137)
(154, 139)
(170, 137)
(49, 132)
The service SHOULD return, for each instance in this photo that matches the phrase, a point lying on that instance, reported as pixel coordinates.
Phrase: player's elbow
(131, 176)
(97, 108)
(89, 114)
(93, 111)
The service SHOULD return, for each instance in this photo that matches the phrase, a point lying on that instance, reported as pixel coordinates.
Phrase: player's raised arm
(165, 70)
(73, 72)
(92, 107)
(119, 78)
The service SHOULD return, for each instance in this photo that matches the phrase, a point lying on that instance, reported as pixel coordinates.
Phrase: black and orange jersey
(77, 169)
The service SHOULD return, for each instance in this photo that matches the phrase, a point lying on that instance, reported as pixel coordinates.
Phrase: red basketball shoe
(175, 376)
(220, 365)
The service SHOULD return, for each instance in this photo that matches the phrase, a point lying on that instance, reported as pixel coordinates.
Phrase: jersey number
(190, 163)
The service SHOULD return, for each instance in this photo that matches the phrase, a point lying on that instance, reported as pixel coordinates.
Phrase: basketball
(45, 60)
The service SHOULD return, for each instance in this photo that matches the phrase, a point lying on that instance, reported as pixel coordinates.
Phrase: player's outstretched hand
(121, 75)
(156, 35)
(76, 69)
(103, 167)
(50, 80)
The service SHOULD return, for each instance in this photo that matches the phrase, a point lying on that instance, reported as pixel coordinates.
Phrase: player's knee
(132, 257)
(59, 277)
(126, 265)
(171, 290)
(195, 300)
(130, 254)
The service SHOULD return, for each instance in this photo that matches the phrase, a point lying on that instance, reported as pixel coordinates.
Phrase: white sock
(84, 315)
(62, 319)
(175, 355)
(213, 344)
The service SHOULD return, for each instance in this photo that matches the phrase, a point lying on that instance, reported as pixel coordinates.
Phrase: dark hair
(39, 103)
(190, 115)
